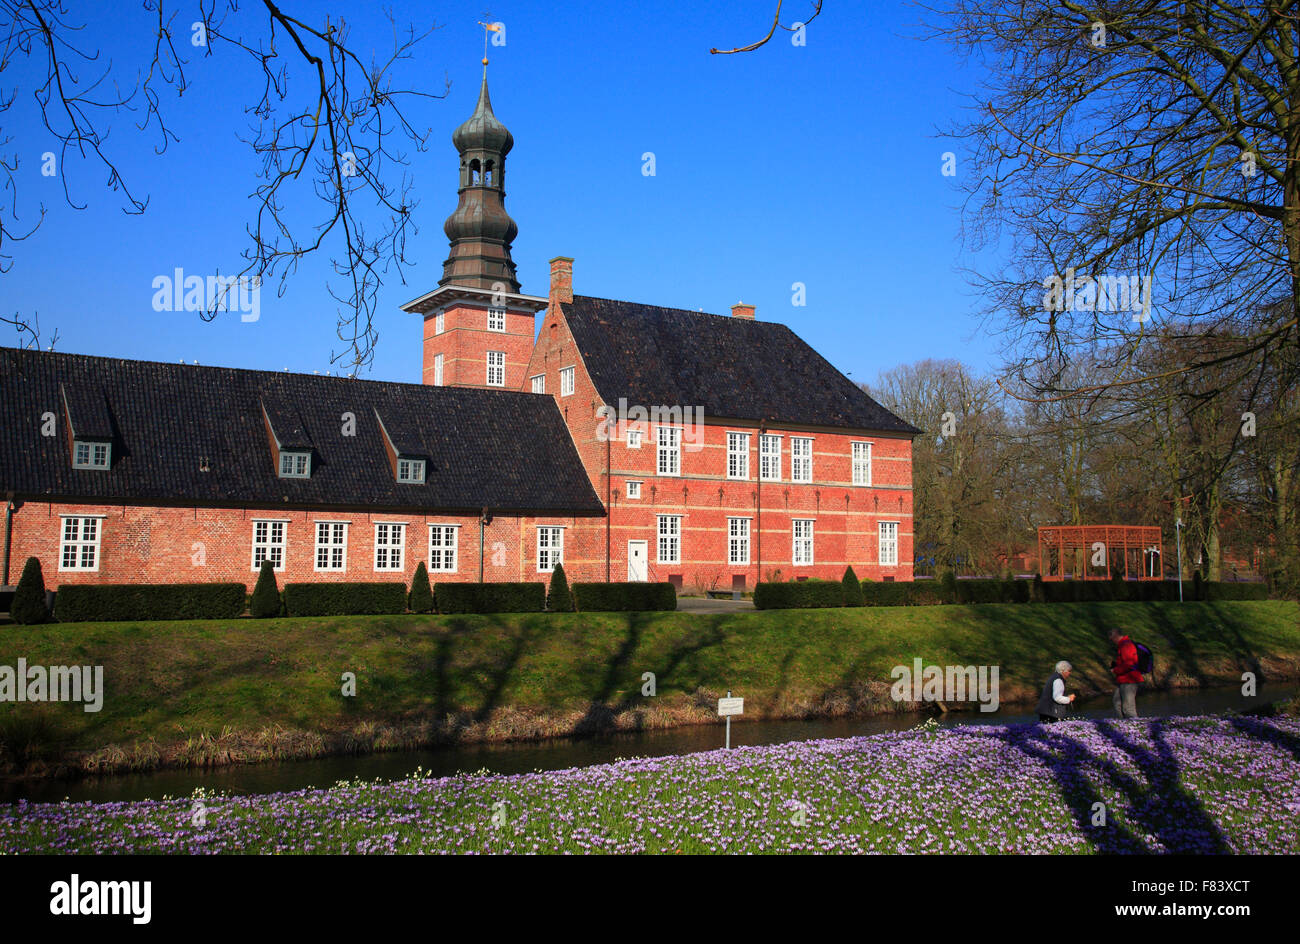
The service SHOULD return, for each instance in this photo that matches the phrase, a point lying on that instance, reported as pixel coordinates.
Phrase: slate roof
(737, 368)
(507, 451)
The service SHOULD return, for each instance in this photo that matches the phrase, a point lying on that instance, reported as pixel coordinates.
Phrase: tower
(478, 328)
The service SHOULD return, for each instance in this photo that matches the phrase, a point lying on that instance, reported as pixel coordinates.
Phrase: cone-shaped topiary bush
(852, 589)
(421, 600)
(558, 598)
(29, 598)
(948, 586)
(266, 595)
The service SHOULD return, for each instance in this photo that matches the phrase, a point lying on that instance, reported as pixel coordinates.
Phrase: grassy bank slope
(181, 693)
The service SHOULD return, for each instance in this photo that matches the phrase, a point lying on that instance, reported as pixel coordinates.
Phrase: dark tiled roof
(498, 449)
(732, 367)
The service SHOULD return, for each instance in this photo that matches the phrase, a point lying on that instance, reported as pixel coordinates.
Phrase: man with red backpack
(1130, 658)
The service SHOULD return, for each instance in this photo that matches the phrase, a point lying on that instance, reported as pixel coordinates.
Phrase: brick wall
(148, 544)
(465, 341)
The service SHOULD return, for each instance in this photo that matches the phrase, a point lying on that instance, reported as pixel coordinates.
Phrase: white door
(636, 560)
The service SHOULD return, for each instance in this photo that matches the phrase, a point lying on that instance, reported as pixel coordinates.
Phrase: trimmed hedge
(76, 603)
(1011, 590)
(421, 600)
(624, 597)
(902, 593)
(28, 604)
(558, 597)
(798, 594)
(490, 597)
(265, 601)
(344, 599)
(852, 589)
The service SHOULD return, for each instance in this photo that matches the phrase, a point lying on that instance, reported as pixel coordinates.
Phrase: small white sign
(730, 706)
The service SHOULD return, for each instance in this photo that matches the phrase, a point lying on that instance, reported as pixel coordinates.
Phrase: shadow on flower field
(1155, 803)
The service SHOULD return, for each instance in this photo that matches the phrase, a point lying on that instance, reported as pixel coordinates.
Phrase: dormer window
(410, 471)
(295, 465)
(91, 455)
(496, 319)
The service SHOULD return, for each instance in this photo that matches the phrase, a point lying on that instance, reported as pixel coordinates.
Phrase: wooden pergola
(1070, 551)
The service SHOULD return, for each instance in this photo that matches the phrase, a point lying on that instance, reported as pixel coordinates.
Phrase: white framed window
(331, 545)
(268, 543)
(496, 368)
(87, 455)
(566, 381)
(862, 463)
(670, 539)
(390, 545)
(737, 455)
(550, 549)
(443, 543)
(634, 437)
(888, 547)
(670, 451)
(737, 540)
(295, 465)
(439, 323)
(633, 489)
(437, 370)
(539, 383)
(79, 543)
(410, 471)
(801, 554)
(496, 319)
(769, 458)
(800, 460)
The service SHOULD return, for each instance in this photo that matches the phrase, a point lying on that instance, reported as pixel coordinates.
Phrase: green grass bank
(208, 693)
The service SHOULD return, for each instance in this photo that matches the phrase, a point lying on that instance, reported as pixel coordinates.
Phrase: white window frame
(437, 370)
(550, 548)
(334, 546)
(800, 462)
(803, 545)
(496, 319)
(446, 560)
(669, 456)
(98, 455)
(501, 378)
(861, 463)
(299, 464)
(439, 323)
(769, 460)
(539, 383)
(668, 530)
(390, 546)
(85, 552)
(634, 436)
(566, 381)
(415, 475)
(277, 539)
(738, 455)
(887, 540)
(738, 542)
(633, 490)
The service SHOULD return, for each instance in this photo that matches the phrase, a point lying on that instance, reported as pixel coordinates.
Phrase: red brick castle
(629, 441)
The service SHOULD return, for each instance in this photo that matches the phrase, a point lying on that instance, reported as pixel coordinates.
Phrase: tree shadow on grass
(1158, 804)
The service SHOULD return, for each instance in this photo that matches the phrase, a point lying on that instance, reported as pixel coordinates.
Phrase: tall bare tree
(327, 130)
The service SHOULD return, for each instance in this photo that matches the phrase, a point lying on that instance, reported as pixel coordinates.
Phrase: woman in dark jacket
(1054, 702)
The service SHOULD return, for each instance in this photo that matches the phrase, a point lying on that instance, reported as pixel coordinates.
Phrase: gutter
(9, 519)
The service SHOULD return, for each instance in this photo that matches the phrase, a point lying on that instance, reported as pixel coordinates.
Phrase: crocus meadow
(1183, 785)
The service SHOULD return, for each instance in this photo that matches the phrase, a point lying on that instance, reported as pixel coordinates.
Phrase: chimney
(562, 279)
(741, 310)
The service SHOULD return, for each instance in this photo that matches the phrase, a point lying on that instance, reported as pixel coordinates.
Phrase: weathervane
(487, 28)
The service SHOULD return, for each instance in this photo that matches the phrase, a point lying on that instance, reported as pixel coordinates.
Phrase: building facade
(630, 441)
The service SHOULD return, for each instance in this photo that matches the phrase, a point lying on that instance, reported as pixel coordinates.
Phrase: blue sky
(817, 164)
